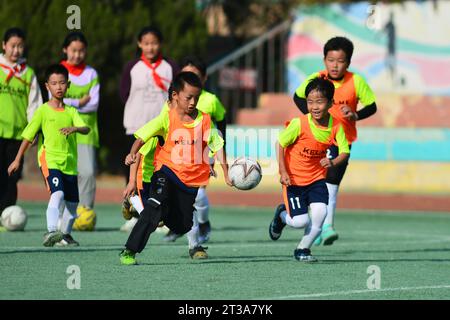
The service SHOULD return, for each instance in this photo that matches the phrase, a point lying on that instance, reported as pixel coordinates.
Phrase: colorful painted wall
(405, 147)
(386, 160)
(422, 44)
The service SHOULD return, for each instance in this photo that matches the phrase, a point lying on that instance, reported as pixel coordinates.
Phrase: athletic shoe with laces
(198, 253)
(304, 255)
(171, 236)
(277, 225)
(329, 235)
(67, 241)
(204, 231)
(128, 257)
(129, 225)
(126, 209)
(50, 238)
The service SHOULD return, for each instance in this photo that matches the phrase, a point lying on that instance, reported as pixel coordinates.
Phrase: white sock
(69, 216)
(192, 235)
(201, 205)
(53, 210)
(331, 208)
(298, 222)
(318, 213)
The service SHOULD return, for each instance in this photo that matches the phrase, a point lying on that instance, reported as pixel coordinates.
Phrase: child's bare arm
(14, 166)
(327, 163)
(131, 187)
(131, 157)
(69, 130)
(284, 176)
(222, 158)
(83, 101)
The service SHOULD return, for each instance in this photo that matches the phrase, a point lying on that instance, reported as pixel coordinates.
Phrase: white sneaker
(162, 229)
(67, 241)
(129, 225)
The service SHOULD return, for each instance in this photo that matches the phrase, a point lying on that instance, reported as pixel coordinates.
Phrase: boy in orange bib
(181, 165)
(350, 90)
(303, 162)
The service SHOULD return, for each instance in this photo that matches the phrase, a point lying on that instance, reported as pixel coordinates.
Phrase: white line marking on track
(352, 292)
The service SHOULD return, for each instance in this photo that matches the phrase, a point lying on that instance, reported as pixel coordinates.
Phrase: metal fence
(259, 66)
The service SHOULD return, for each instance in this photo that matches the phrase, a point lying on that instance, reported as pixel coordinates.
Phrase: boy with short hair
(350, 88)
(181, 165)
(210, 104)
(302, 150)
(58, 155)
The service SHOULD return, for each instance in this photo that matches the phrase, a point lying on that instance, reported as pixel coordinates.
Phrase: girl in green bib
(20, 96)
(83, 94)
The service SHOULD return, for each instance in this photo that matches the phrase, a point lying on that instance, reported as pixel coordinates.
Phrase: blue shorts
(58, 181)
(298, 198)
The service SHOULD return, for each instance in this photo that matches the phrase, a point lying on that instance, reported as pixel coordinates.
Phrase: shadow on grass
(216, 261)
(43, 230)
(63, 249)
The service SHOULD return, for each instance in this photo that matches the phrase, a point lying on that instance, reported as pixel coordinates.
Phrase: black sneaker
(277, 225)
(204, 230)
(198, 253)
(304, 255)
(67, 241)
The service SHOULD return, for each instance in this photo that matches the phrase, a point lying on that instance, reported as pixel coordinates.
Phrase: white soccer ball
(14, 218)
(245, 173)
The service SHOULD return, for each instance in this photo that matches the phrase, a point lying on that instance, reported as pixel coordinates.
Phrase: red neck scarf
(14, 71)
(158, 79)
(76, 70)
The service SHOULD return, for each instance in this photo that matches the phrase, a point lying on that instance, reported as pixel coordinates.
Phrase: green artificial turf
(411, 250)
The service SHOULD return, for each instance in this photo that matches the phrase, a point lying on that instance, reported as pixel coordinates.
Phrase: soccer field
(411, 250)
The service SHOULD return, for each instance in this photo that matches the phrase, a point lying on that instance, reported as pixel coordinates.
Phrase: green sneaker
(318, 240)
(51, 238)
(127, 257)
(329, 235)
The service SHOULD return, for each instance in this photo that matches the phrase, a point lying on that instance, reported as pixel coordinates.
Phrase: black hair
(13, 32)
(150, 29)
(56, 69)
(170, 92)
(74, 36)
(194, 61)
(322, 85)
(185, 77)
(339, 43)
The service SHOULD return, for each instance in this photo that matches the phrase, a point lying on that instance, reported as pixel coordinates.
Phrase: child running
(210, 104)
(144, 88)
(350, 89)
(59, 124)
(181, 165)
(302, 150)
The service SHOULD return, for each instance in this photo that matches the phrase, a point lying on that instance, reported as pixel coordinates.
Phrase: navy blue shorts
(58, 181)
(298, 198)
